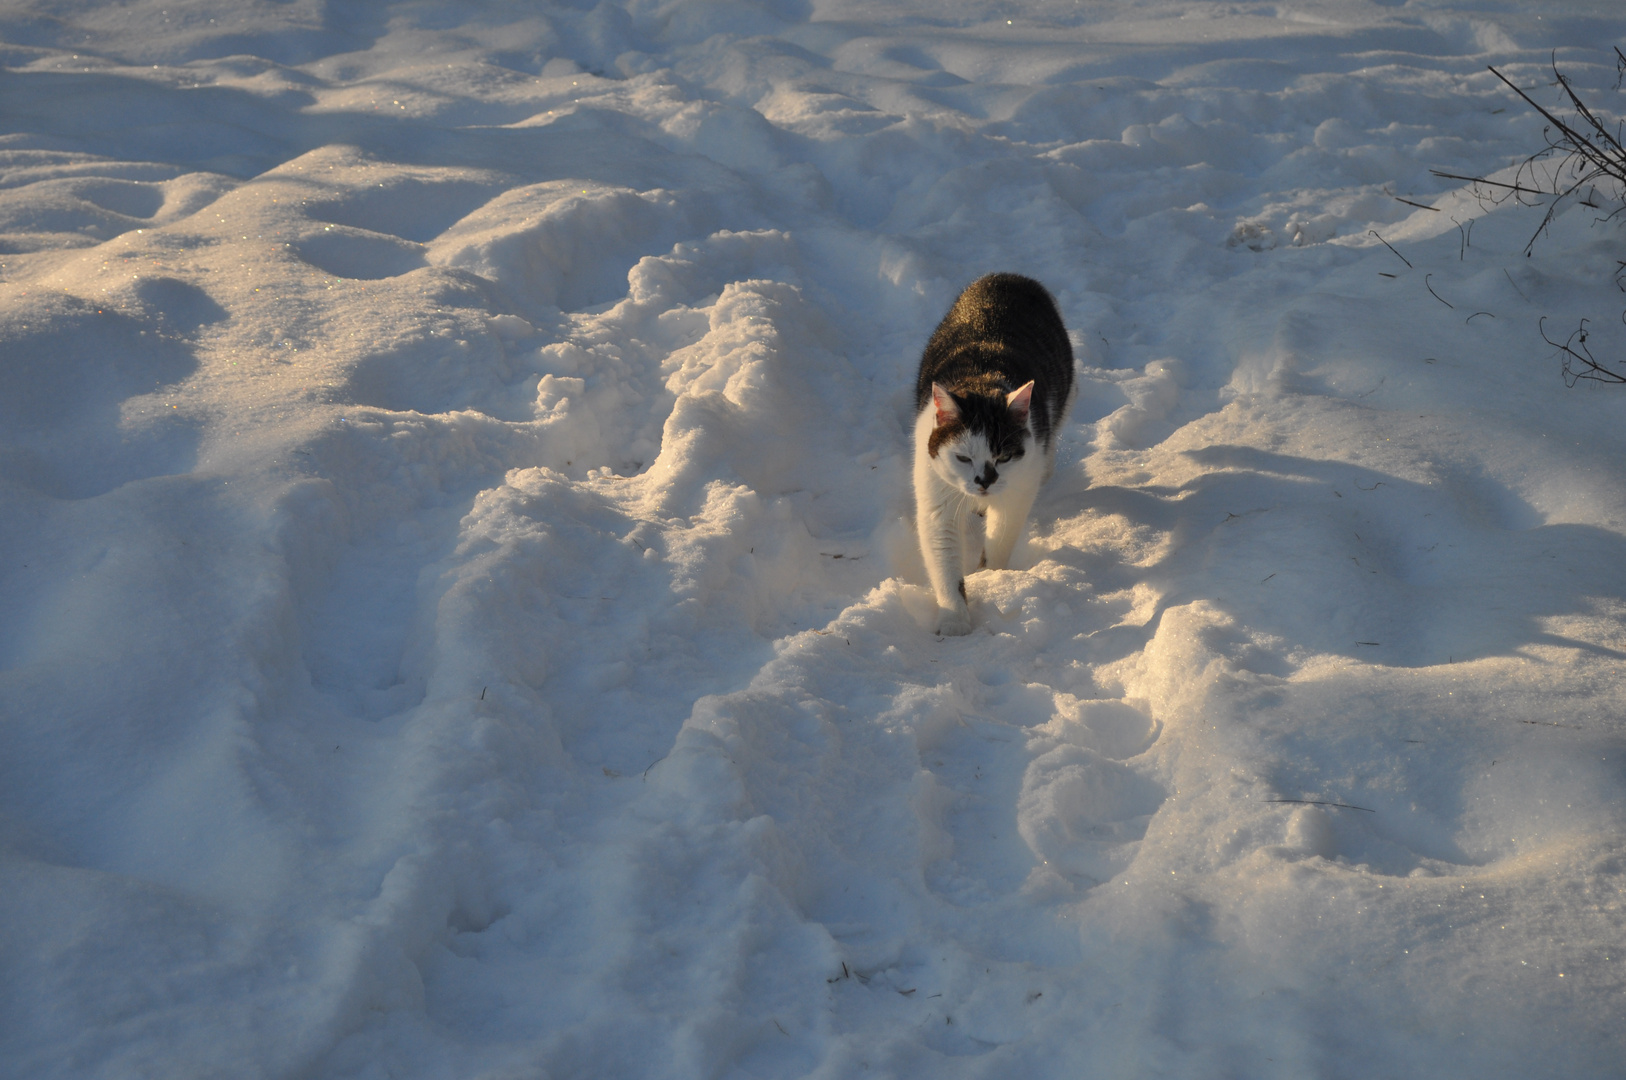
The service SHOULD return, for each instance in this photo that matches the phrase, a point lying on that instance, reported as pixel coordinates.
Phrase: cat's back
(1002, 325)
(997, 306)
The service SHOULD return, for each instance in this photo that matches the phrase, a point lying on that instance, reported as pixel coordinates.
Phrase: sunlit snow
(458, 610)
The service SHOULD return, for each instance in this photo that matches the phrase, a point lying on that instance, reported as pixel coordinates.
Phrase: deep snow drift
(457, 612)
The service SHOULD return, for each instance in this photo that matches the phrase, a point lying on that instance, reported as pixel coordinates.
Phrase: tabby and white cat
(995, 385)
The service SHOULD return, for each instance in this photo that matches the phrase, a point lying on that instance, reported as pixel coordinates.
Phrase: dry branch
(1581, 152)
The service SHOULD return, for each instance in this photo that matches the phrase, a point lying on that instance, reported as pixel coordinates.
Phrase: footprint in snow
(1082, 809)
(1058, 799)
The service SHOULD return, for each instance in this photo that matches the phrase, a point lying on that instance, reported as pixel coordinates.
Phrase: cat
(995, 386)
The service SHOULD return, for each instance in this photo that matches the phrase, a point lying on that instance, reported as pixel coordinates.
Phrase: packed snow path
(458, 615)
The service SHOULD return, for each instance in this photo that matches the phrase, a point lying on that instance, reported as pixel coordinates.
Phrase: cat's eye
(1003, 458)
(962, 457)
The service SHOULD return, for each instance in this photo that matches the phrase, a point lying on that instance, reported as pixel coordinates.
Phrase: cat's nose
(986, 480)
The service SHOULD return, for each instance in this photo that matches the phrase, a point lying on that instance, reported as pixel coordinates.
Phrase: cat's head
(978, 438)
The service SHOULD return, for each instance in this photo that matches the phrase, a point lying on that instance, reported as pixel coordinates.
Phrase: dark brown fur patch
(963, 596)
(947, 433)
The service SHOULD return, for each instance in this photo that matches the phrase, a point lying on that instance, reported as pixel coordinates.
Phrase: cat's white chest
(962, 527)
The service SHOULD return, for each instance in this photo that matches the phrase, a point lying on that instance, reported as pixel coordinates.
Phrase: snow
(460, 616)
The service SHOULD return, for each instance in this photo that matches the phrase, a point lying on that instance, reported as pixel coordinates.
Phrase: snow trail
(460, 618)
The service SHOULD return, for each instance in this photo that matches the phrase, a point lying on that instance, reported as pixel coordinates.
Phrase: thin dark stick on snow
(1477, 314)
(1323, 802)
(1391, 247)
(1420, 206)
(1436, 295)
(1515, 285)
(1465, 237)
(1515, 188)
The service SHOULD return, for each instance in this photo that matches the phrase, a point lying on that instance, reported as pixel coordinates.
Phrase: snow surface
(457, 609)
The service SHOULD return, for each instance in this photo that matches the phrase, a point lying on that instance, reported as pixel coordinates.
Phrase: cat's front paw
(953, 623)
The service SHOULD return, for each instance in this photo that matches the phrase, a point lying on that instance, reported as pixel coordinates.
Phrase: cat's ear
(947, 411)
(1018, 401)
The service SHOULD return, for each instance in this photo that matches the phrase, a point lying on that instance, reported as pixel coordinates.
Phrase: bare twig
(1465, 237)
(1587, 151)
(1516, 188)
(1391, 247)
(1323, 802)
(1577, 360)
